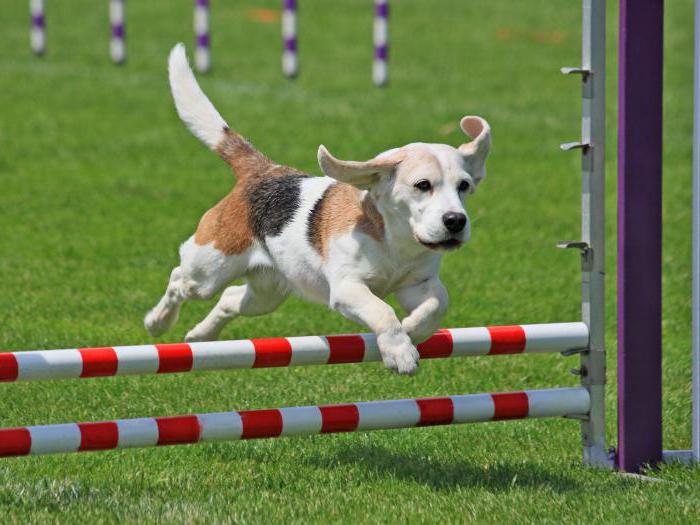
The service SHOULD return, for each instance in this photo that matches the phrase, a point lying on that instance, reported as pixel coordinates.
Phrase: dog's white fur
(358, 270)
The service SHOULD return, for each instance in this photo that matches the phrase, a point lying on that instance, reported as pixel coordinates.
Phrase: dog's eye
(463, 186)
(423, 185)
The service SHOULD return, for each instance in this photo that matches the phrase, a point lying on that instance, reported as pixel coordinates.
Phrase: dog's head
(420, 188)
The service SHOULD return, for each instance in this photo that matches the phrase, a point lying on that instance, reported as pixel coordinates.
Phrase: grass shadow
(438, 474)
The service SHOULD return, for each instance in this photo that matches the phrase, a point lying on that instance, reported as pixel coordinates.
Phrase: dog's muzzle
(447, 244)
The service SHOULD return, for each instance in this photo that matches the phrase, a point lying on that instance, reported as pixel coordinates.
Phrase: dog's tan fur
(341, 209)
(227, 224)
(422, 161)
(242, 156)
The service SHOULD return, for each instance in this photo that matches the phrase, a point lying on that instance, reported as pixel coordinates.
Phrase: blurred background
(100, 182)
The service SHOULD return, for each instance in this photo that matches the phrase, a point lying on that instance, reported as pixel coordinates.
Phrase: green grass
(100, 181)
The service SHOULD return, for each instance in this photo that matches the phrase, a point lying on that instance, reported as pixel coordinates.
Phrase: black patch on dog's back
(273, 203)
(313, 221)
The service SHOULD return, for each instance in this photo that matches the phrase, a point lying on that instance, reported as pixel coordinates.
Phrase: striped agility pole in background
(37, 34)
(202, 56)
(380, 74)
(117, 43)
(281, 352)
(290, 61)
(282, 422)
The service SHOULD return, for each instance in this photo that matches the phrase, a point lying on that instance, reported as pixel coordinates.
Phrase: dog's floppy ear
(476, 151)
(362, 175)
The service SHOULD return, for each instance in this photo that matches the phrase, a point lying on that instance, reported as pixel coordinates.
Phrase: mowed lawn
(100, 182)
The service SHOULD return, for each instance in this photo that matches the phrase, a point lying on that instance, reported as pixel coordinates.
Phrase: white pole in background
(37, 34)
(290, 61)
(117, 44)
(202, 57)
(696, 242)
(381, 42)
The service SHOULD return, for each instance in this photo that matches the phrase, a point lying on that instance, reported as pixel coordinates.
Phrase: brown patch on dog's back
(339, 210)
(227, 225)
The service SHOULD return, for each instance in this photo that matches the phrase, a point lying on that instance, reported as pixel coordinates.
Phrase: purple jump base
(639, 233)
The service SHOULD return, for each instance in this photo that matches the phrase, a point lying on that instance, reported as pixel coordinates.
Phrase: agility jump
(584, 404)
(639, 298)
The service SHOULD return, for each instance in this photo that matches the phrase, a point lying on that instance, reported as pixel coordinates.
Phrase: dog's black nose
(454, 222)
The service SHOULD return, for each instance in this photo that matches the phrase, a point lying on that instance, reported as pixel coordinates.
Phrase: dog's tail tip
(192, 104)
(177, 59)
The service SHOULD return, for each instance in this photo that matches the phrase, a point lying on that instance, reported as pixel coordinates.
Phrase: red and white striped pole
(252, 424)
(37, 35)
(281, 351)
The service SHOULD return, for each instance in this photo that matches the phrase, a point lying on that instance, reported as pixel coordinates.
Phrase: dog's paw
(156, 324)
(196, 335)
(407, 362)
(401, 357)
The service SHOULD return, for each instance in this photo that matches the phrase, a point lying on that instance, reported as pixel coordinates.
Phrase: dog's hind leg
(164, 315)
(263, 292)
(202, 273)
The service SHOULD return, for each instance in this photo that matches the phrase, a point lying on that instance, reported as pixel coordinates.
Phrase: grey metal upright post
(696, 242)
(592, 244)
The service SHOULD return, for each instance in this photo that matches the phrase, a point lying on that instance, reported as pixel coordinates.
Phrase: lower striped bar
(271, 423)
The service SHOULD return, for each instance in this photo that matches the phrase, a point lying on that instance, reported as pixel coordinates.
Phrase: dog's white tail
(192, 104)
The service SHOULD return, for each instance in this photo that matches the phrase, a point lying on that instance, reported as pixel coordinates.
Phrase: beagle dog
(347, 240)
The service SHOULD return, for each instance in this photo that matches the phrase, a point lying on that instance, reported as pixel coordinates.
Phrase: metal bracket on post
(576, 71)
(580, 417)
(574, 351)
(568, 146)
(586, 252)
(586, 75)
(583, 371)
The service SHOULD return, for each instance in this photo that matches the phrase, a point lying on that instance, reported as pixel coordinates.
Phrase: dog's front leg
(357, 302)
(426, 303)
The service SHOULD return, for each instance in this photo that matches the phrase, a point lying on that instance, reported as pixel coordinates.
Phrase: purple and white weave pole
(117, 43)
(290, 61)
(37, 35)
(639, 233)
(202, 56)
(380, 74)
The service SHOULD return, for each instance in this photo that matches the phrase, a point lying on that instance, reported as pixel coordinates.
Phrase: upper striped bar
(281, 351)
(293, 421)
